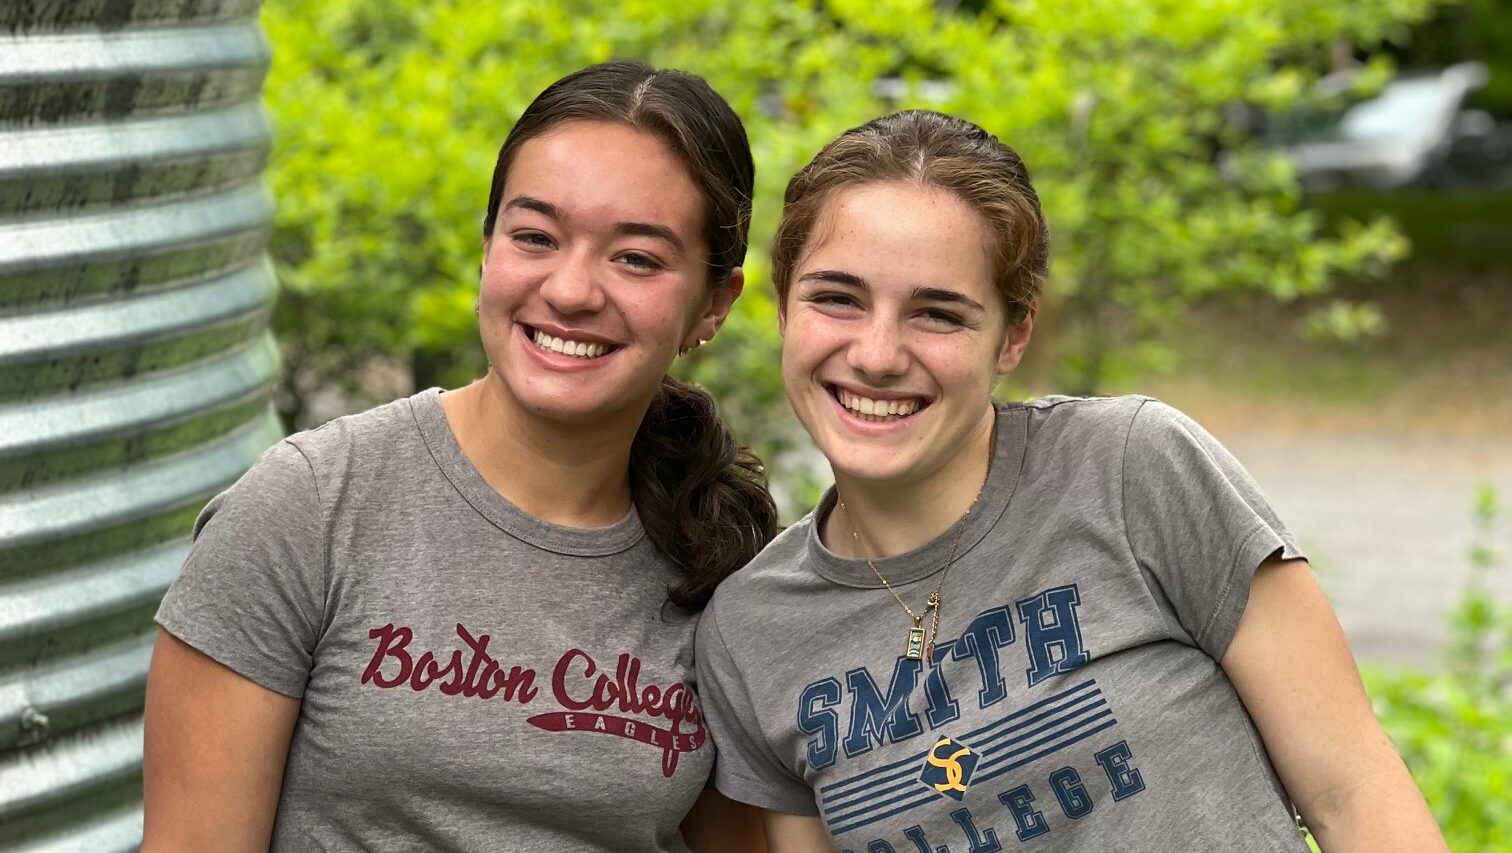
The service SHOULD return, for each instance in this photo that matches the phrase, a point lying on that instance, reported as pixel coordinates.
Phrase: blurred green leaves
(1454, 729)
(388, 115)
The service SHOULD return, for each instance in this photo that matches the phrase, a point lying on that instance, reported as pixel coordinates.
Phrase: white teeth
(877, 410)
(577, 349)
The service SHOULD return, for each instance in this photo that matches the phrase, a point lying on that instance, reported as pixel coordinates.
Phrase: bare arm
(791, 833)
(214, 754)
(718, 824)
(1294, 671)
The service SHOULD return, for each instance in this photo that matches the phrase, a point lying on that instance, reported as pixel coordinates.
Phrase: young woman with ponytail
(464, 620)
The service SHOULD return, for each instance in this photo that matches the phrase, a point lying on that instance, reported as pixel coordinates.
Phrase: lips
(878, 409)
(566, 343)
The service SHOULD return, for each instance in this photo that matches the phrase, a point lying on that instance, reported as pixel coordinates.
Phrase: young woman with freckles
(464, 620)
(1067, 624)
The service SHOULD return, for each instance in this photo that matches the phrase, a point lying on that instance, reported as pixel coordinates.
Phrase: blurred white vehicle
(1416, 132)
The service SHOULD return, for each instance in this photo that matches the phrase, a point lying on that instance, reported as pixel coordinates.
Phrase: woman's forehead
(900, 230)
(599, 174)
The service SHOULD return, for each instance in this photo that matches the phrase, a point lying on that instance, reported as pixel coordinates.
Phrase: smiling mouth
(878, 411)
(566, 346)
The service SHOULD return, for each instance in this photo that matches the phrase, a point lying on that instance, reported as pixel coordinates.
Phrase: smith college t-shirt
(1074, 700)
(471, 678)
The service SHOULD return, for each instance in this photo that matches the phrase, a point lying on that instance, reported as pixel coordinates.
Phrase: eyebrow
(629, 229)
(939, 294)
(931, 294)
(650, 229)
(836, 276)
(525, 202)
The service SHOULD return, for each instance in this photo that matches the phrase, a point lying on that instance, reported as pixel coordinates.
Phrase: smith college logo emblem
(948, 768)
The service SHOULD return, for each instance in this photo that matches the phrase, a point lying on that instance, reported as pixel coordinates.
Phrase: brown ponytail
(701, 497)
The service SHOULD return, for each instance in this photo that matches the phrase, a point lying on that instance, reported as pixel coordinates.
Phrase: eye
(532, 240)
(940, 317)
(640, 262)
(832, 298)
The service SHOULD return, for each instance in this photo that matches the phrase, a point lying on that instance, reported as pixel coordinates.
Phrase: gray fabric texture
(471, 677)
(1075, 701)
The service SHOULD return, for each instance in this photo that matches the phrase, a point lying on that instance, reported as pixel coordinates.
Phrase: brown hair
(701, 496)
(933, 150)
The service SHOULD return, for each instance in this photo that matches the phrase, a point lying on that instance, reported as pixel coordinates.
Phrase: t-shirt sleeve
(1197, 522)
(251, 593)
(745, 767)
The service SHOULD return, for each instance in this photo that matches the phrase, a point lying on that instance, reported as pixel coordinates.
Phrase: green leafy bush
(388, 115)
(1454, 728)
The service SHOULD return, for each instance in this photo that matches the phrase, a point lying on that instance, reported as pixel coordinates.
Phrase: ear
(1016, 342)
(782, 315)
(720, 302)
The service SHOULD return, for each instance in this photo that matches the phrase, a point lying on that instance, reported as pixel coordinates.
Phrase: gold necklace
(917, 648)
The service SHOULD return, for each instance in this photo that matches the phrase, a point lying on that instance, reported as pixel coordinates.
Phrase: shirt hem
(755, 794)
(186, 632)
(1263, 542)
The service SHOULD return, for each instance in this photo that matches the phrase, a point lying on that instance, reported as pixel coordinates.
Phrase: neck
(895, 518)
(572, 474)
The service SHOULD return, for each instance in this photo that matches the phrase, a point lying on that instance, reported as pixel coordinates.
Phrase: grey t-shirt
(1075, 701)
(472, 677)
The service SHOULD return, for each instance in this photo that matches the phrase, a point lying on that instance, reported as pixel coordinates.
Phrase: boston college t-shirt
(471, 678)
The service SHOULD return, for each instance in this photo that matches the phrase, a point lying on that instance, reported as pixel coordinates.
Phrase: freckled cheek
(658, 317)
(495, 318)
(957, 367)
(498, 290)
(809, 340)
(490, 299)
(656, 323)
(507, 275)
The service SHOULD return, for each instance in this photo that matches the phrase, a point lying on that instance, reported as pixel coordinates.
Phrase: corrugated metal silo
(135, 368)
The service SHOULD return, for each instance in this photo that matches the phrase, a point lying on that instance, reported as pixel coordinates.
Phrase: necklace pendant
(915, 649)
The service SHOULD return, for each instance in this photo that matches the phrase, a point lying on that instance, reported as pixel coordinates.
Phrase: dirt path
(1383, 508)
(1371, 453)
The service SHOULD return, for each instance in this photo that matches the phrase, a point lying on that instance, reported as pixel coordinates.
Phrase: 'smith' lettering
(1048, 630)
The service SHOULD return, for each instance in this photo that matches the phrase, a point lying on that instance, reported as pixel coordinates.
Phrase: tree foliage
(388, 115)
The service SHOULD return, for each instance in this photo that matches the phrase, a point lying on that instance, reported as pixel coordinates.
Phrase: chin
(575, 411)
(583, 408)
(566, 404)
(871, 464)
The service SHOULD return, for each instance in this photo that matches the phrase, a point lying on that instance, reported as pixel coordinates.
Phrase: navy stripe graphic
(1022, 737)
(1005, 758)
(908, 802)
(826, 790)
(983, 741)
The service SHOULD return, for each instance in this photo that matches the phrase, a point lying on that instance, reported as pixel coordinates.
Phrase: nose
(573, 286)
(878, 350)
